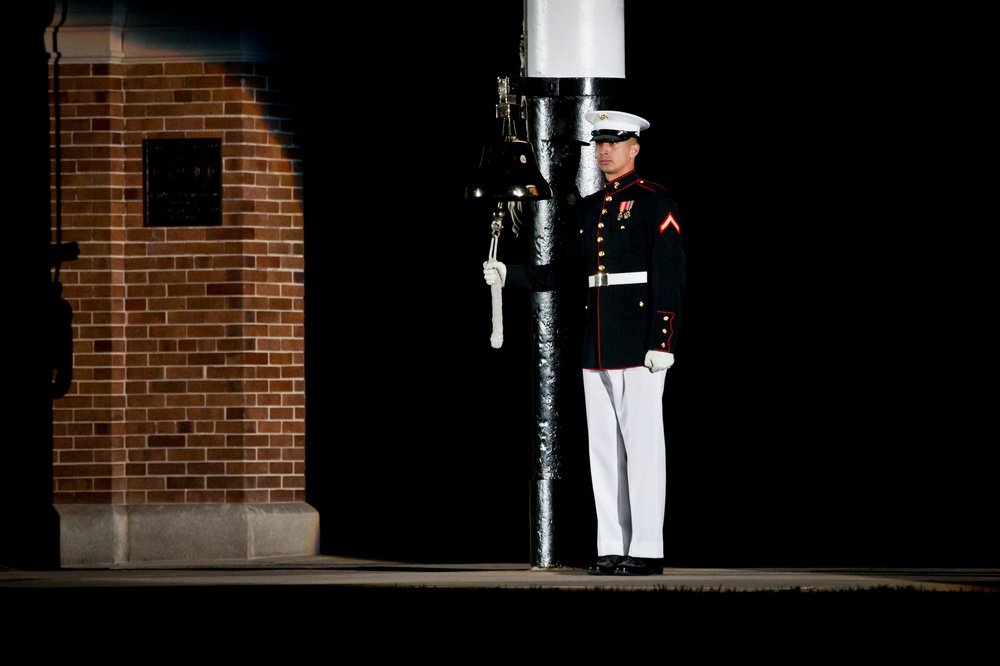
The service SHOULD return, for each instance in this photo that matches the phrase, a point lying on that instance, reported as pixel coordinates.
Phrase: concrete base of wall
(103, 535)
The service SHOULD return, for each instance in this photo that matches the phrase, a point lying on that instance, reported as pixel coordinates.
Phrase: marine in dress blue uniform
(630, 254)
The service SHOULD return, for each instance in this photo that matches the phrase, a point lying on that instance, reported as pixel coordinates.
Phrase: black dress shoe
(605, 566)
(639, 566)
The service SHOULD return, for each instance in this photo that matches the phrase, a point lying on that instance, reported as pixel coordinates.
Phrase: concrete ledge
(100, 534)
(106, 34)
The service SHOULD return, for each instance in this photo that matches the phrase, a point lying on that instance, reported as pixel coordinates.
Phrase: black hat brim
(614, 136)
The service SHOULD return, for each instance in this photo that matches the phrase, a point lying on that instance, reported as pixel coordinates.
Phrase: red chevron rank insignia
(669, 222)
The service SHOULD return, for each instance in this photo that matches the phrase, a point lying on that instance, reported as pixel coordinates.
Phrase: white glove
(657, 360)
(495, 272)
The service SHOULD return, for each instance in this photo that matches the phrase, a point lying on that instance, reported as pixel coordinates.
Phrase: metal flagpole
(574, 62)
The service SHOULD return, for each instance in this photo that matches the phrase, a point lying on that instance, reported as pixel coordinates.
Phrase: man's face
(615, 159)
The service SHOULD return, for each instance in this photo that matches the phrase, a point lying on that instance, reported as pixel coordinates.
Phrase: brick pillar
(182, 436)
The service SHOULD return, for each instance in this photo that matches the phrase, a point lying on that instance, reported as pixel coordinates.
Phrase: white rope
(496, 339)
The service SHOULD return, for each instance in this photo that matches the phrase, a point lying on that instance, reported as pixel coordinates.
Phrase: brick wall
(188, 379)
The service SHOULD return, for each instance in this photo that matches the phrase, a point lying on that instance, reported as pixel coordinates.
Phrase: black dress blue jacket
(630, 226)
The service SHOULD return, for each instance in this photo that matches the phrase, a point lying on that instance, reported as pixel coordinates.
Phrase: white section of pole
(575, 38)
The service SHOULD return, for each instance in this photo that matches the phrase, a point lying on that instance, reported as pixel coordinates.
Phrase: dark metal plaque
(182, 182)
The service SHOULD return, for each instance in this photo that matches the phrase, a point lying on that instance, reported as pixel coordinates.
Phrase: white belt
(610, 279)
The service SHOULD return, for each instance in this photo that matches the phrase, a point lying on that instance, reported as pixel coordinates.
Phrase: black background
(832, 399)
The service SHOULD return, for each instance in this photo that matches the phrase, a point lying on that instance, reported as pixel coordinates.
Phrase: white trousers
(628, 459)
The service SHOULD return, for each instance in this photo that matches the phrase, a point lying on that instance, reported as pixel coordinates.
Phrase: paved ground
(338, 571)
(330, 607)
